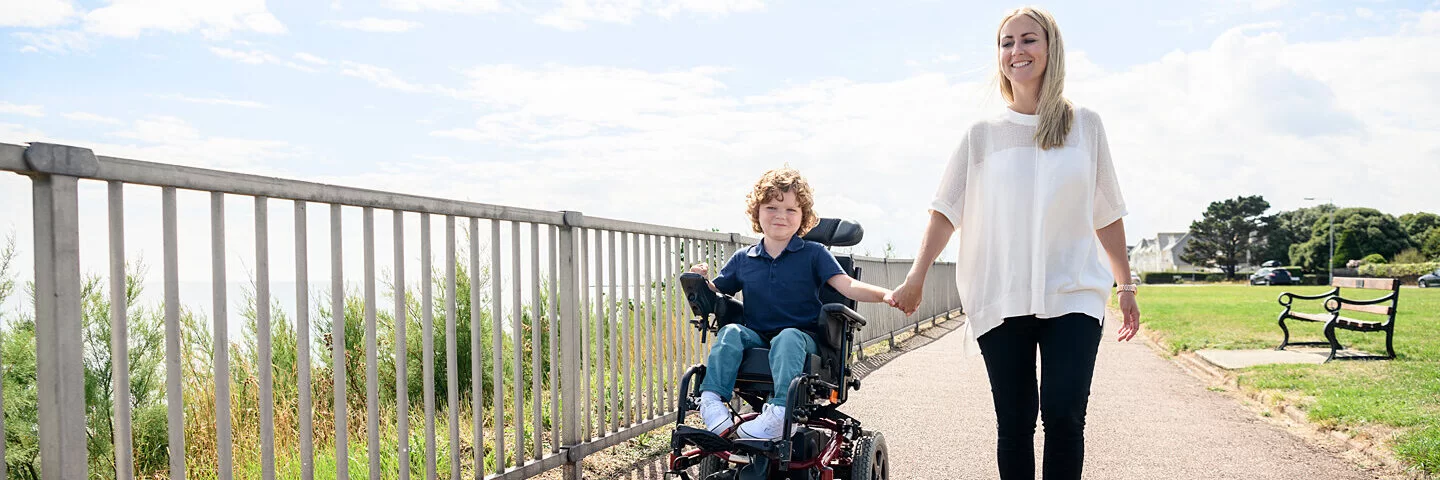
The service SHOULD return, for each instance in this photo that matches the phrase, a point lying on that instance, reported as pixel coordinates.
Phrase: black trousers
(1067, 347)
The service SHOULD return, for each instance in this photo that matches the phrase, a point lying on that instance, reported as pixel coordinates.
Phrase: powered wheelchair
(819, 442)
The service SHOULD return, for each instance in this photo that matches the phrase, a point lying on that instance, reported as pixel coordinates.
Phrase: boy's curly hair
(778, 181)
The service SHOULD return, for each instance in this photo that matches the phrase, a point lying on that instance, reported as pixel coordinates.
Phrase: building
(1162, 254)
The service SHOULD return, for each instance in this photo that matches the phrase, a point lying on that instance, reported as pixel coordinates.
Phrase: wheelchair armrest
(705, 303)
(834, 320)
(844, 313)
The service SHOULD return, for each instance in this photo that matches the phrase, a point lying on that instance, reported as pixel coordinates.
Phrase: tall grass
(147, 373)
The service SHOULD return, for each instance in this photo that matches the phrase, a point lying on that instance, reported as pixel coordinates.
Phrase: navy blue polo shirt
(781, 292)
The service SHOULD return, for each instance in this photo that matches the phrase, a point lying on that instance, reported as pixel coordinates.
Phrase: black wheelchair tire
(870, 459)
(709, 465)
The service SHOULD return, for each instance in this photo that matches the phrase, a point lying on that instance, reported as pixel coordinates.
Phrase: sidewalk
(1147, 419)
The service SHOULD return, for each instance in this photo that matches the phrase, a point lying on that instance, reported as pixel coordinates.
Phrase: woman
(1031, 193)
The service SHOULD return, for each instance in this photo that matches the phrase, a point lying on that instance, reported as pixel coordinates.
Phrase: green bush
(1409, 255)
(1373, 259)
(1215, 277)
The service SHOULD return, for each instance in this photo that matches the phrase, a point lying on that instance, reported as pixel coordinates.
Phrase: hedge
(1157, 278)
(1398, 270)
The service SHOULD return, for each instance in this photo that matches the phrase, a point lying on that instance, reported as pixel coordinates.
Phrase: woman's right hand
(906, 297)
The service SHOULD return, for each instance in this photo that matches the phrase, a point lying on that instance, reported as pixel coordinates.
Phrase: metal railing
(598, 312)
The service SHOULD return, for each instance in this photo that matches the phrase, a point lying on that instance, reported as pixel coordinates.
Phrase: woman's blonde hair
(771, 186)
(1054, 110)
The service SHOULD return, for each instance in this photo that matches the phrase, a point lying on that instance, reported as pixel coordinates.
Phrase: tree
(1288, 228)
(1418, 224)
(1358, 232)
(1430, 245)
(1424, 230)
(1230, 232)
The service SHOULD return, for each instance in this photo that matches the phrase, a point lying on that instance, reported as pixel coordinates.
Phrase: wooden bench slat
(1375, 309)
(1353, 324)
(1370, 283)
(1313, 317)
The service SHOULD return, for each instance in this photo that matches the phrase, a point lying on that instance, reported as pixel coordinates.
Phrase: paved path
(1147, 419)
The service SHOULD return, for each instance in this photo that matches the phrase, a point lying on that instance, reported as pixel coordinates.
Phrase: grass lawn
(1403, 394)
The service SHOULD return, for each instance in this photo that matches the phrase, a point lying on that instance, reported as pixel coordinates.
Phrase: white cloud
(26, 110)
(261, 57)
(575, 14)
(311, 58)
(253, 57)
(1363, 12)
(57, 41)
(1429, 22)
(1253, 113)
(380, 76)
(451, 6)
(213, 101)
(35, 13)
(1268, 5)
(91, 117)
(377, 25)
(213, 18)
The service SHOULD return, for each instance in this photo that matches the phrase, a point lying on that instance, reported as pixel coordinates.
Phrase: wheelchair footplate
(755, 453)
(703, 439)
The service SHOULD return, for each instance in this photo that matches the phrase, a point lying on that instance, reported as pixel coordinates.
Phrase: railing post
(61, 376)
(569, 323)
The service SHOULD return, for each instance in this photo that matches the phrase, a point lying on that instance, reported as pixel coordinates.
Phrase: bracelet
(1132, 288)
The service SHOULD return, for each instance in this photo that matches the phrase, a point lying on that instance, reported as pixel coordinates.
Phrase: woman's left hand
(1131, 311)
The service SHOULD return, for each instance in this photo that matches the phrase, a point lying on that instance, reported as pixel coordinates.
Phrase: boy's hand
(701, 268)
(906, 297)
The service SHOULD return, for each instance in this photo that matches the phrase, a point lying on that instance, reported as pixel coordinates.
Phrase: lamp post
(1330, 266)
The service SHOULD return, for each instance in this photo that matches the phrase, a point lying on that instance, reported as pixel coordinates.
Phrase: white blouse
(1027, 217)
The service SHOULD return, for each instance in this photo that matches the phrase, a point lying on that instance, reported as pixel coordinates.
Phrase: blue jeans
(789, 351)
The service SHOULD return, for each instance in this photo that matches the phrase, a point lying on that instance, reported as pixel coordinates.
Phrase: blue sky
(573, 104)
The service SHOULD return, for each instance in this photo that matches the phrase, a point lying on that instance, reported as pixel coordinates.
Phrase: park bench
(1334, 304)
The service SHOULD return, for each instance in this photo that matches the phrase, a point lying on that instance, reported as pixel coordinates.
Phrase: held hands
(905, 297)
(701, 268)
(1131, 312)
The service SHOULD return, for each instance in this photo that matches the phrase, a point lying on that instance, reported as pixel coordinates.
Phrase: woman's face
(1023, 51)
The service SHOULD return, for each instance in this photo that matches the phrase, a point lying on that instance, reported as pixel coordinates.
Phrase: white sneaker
(769, 425)
(716, 413)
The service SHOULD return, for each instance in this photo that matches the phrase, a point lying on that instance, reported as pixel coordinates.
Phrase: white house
(1162, 254)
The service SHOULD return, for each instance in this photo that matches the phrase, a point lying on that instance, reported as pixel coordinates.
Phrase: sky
(666, 111)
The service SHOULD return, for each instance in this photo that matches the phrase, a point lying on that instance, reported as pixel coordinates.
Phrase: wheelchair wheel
(710, 465)
(871, 459)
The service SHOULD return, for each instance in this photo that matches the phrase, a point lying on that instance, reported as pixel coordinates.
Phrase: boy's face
(780, 217)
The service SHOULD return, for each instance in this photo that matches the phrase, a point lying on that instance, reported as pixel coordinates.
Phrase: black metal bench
(1334, 304)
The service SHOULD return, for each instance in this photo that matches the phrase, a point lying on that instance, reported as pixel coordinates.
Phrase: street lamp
(1330, 266)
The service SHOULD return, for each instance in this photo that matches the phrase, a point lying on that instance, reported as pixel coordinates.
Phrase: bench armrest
(1333, 304)
(1287, 297)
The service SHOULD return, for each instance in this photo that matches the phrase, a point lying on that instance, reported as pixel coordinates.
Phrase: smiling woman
(1033, 194)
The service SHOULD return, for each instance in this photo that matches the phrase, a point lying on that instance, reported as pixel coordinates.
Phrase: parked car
(1431, 279)
(1271, 276)
(1135, 279)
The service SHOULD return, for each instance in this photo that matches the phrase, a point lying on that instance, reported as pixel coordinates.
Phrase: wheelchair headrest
(834, 232)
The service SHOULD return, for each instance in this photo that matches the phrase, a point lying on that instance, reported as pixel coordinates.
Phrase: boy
(781, 278)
